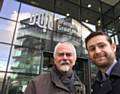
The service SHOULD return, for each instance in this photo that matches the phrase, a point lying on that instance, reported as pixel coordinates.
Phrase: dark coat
(50, 84)
(111, 85)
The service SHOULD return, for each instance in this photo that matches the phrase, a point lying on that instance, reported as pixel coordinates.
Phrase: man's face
(100, 51)
(65, 57)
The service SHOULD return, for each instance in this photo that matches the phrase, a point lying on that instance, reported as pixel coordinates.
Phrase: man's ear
(114, 47)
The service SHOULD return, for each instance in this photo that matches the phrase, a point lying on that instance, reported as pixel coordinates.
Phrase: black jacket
(111, 85)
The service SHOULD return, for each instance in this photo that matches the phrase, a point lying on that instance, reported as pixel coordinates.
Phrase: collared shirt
(111, 85)
(108, 72)
(101, 77)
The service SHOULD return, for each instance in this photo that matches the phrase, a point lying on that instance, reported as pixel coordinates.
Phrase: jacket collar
(116, 70)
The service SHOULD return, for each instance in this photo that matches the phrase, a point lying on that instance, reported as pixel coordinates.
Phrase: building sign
(66, 26)
(42, 20)
(46, 21)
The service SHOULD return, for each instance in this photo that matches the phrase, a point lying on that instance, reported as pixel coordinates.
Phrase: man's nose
(97, 50)
(65, 56)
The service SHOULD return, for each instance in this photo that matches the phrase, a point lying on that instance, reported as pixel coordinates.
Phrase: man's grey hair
(58, 44)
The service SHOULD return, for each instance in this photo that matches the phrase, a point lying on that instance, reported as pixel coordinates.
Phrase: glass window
(93, 72)
(16, 83)
(91, 5)
(6, 30)
(75, 1)
(35, 27)
(2, 74)
(117, 9)
(25, 11)
(4, 54)
(82, 68)
(38, 17)
(49, 5)
(9, 9)
(47, 62)
(89, 16)
(68, 29)
(105, 7)
(25, 60)
(67, 9)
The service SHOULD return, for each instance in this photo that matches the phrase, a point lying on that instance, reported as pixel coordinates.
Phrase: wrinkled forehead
(65, 48)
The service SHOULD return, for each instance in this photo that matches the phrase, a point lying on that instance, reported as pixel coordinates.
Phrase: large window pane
(48, 5)
(63, 7)
(35, 27)
(36, 16)
(90, 16)
(2, 74)
(16, 83)
(4, 54)
(91, 4)
(68, 29)
(6, 30)
(9, 9)
(25, 60)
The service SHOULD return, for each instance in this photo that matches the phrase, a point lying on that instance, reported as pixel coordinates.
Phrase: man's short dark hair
(94, 34)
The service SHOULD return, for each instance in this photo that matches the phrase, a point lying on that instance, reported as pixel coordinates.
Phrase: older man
(61, 79)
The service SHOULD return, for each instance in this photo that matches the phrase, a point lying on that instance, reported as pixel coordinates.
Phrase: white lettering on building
(63, 26)
(42, 20)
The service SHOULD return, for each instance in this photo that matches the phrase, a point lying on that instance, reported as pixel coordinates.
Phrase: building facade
(29, 30)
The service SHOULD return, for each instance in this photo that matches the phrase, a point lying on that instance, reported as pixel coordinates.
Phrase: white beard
(65, 68)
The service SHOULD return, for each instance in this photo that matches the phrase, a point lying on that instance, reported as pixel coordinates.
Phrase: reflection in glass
(9, 9)
(25, 60)
(6, 30)
(1, 79)
(4, 54)
(15, 83)
(32, 36)
(68, 29)
(36, 16)
(35, 27)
